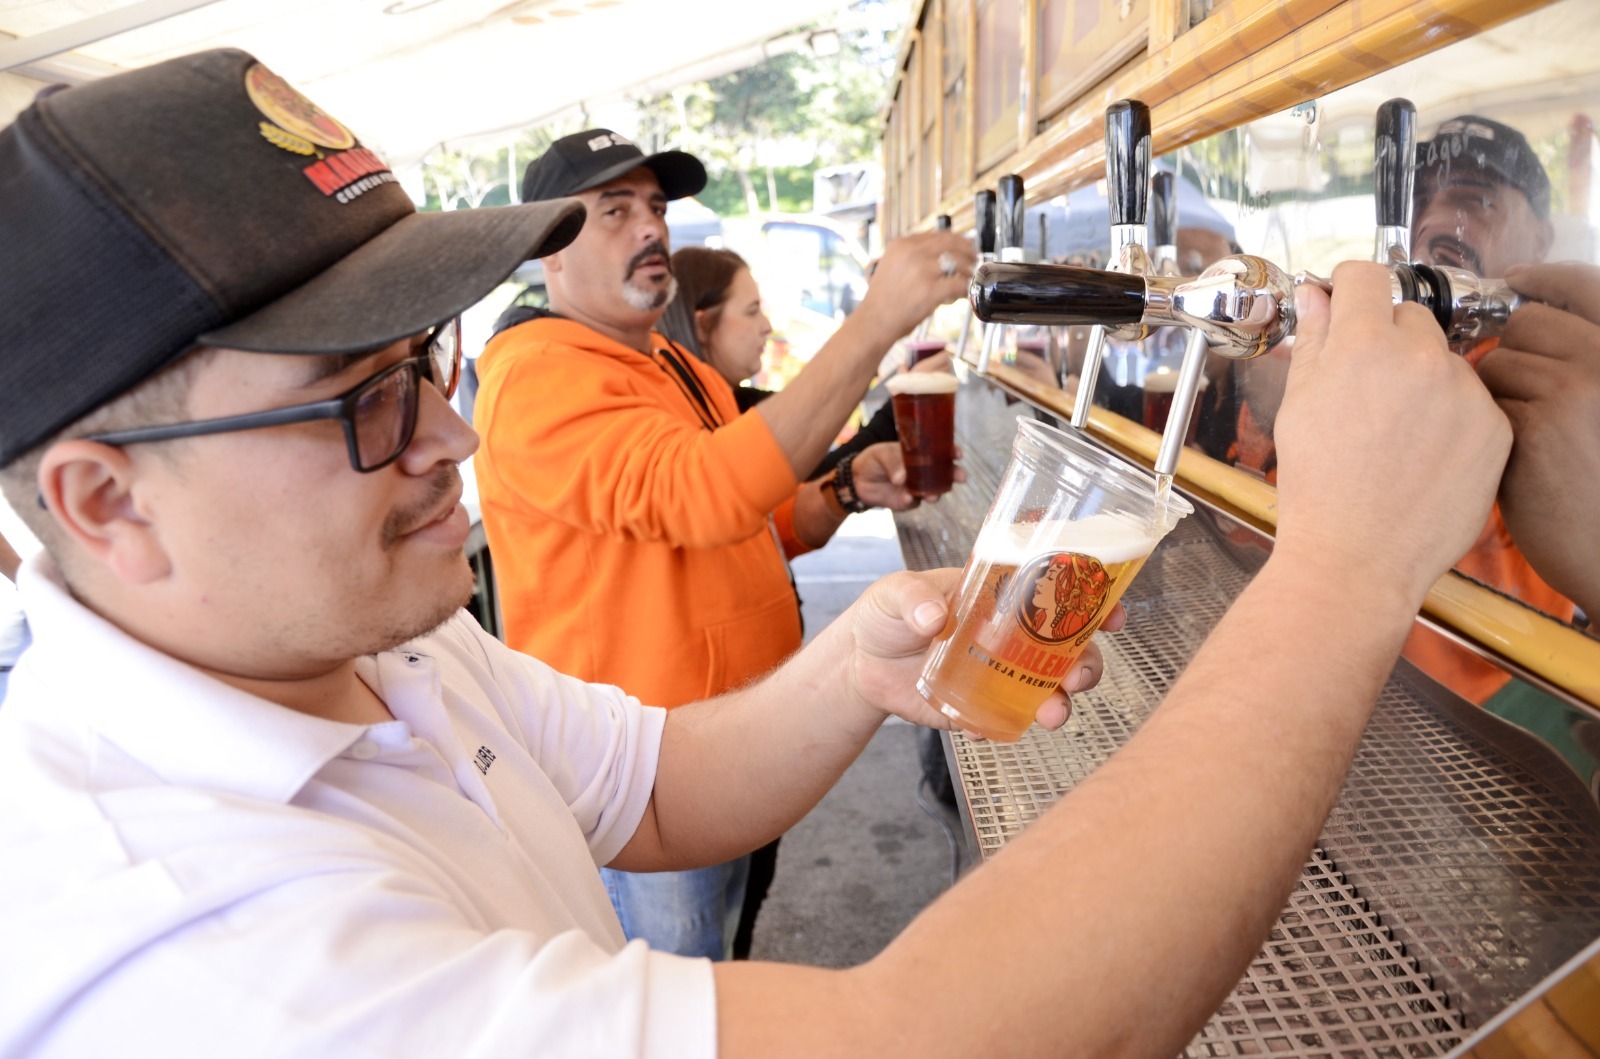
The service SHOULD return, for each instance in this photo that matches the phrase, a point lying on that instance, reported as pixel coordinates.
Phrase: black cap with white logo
(1477, 144)
(588, 159)
(204, 201)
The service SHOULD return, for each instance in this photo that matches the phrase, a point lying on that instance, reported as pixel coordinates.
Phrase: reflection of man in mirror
(1482, 203)
(1482, 198)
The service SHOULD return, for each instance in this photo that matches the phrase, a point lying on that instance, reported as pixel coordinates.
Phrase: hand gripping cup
(1069, 529)
(925, 419)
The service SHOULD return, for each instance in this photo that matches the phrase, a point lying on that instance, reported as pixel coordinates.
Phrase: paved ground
(868, 858)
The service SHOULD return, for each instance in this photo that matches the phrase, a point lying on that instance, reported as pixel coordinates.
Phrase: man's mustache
(1455, 248)
(655, 249)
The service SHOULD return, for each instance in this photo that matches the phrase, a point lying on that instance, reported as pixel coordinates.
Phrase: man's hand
(910, 282)
(1389, 447)
(879, 475)
(1545, 375)
(893, 623)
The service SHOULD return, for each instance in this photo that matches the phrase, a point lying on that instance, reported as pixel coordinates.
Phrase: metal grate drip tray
(1454, 873)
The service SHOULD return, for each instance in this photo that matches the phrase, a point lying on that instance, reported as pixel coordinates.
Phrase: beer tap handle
(1243, 304)
(1128, 163)
(941, 223)
(1011, 208)
(1008, 246)
(1394, 173)
(1055, 295)
(1127, 197)
(983, 210)
(1164, 224)
(983, 238)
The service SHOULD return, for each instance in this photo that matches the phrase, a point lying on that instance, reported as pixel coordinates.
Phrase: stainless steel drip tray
(1460, 866)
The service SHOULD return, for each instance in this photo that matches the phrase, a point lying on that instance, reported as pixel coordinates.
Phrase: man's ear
(553, 262)
(92, 491)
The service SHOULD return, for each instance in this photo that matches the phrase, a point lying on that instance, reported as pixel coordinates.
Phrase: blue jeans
(691, 913)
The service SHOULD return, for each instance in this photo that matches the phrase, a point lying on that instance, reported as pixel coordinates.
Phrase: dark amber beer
(925, 417)
(920, 349)
(1159, 386)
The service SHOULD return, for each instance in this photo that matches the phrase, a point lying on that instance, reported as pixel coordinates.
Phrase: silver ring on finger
(947, 264)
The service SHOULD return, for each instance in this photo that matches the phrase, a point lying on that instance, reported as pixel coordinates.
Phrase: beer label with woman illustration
(1046, 605)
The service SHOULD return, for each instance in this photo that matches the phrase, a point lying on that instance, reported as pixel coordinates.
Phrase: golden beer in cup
(1070, 528)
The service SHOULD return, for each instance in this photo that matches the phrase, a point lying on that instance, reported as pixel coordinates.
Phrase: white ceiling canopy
(410, 74)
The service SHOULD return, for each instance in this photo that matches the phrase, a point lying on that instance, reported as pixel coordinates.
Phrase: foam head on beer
(1108, 538)
(918, 383)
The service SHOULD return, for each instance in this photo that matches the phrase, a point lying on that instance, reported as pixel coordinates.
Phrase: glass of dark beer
(1159, 386)
(920, 349)
(925, 417)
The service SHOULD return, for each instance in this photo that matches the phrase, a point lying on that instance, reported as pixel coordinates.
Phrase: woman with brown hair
(717, 315)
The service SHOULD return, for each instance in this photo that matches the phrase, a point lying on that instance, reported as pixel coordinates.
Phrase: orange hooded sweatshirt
(635, 532)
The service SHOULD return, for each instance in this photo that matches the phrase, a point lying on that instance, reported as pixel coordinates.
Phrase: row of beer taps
(1240, 306)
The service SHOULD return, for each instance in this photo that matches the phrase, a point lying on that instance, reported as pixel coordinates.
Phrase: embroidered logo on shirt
(484, 759)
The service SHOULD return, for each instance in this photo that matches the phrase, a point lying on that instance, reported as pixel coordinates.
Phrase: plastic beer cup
(925, 419)
(1069, 529)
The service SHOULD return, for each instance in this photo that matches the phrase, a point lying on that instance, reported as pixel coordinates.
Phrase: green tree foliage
(761, 131)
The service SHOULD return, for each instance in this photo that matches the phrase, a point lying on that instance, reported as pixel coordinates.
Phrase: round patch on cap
(294, 113)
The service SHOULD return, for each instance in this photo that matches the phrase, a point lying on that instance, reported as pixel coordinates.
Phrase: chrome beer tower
(1241, 305)
(1164, 234)
(1010, 209)
(1468, 307)
(983, 236)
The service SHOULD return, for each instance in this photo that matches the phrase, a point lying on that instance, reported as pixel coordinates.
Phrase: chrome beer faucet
(1010, 209)
(1164, 237)
(1243, 304)
(1127, 195)
(983, 235)
(1468, 307)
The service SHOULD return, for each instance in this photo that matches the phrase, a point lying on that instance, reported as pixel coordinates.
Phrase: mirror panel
(1506, 175)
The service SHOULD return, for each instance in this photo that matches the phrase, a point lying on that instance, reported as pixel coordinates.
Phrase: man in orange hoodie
(639, 523)
(1482, 203)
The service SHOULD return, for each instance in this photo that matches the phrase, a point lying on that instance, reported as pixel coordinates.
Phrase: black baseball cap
(1474, 142)
(204, 201)
(588, 159)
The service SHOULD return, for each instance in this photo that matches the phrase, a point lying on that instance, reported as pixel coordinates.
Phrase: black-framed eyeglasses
(379, 414)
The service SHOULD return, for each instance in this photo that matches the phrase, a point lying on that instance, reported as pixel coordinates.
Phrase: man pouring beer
(301, 805)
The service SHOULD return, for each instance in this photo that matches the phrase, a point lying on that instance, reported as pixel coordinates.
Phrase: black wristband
(844, 487)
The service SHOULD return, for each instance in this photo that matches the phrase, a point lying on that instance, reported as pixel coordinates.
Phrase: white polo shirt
(186, 869)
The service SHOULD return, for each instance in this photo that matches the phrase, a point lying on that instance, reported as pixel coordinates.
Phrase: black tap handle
(1055, 295)
(1394, 162)
(983, 220)
(1008, 227)
(1163, 210)
(1128, 161)
(941, 223)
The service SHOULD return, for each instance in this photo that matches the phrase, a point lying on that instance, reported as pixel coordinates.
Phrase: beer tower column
(1164, 235)
(983, 234)
(1127, 195)
(1010, 210)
